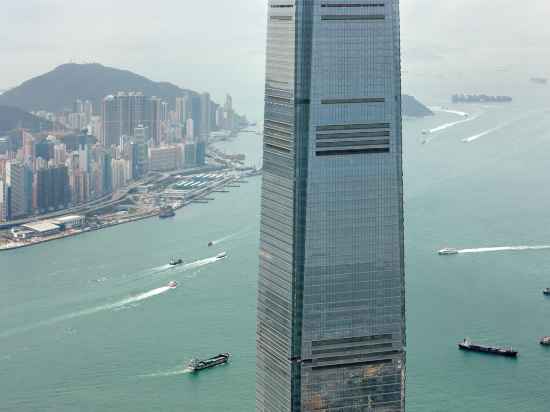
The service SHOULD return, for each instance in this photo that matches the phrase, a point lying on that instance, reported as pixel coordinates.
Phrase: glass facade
(331, 303)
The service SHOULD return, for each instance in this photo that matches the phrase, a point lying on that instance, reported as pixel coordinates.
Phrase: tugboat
(175, 262)
(448, 251)
(197, 365)
(545, 341)
(166, 212)
(173, 284)
(546, 292)
(493, 350)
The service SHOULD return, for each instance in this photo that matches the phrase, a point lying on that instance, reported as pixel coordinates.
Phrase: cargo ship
(479, 98)
(493, 350)
(197, 365)
(546, 292)
(166, 212)
(539, 80)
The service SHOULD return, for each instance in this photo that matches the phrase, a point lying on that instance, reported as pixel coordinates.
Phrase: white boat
(173, 284)
(448, 251)
(222, 255)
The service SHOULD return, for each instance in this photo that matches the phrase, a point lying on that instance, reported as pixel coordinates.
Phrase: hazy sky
(218, 45)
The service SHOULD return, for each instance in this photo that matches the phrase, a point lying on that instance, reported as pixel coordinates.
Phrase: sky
(218, 46)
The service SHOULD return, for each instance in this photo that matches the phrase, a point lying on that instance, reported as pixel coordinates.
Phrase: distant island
(413, 108)
(479, 98)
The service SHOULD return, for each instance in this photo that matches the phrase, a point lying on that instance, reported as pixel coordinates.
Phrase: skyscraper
(331, 299)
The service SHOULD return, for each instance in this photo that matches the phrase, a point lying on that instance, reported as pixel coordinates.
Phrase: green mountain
(14, 118)
(58, 89)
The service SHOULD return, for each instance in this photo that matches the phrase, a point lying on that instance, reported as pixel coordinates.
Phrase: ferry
(493, 350)
(173, 284)
(197, 365)
(175, 262)
(545, 341)
(546, 292)
(448, 251)
(222, 255)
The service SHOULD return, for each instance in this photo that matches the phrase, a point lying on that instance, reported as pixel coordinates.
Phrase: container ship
(493, 350)
(166, 212)
(197, 365)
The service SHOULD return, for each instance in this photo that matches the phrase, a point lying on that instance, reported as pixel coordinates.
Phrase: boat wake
(452, 124)
(87, 312)
(485, 133)
(231, 236)
(504, 249)
(442, 110)
(175, 372)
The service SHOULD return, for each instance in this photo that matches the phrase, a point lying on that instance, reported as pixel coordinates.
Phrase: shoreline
(196, 198)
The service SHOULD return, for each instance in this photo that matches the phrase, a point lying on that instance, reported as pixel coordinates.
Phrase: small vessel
(175, 262)
(197, 365)
(222, 255)
(425, 132)
(493, 350)
(545, 341)
(166, 212)
(448, 251)
(546, 292)
(539, 80)
(210, 243)
(173, 284)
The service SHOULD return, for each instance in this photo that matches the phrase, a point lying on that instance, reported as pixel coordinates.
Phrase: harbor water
(88, 323)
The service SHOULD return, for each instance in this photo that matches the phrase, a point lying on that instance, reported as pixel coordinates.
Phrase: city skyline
(331, 295)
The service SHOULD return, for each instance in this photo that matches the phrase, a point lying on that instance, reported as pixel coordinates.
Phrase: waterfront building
(205, 116)
(52, 188)
(189, 131)
(200, 156)
(121, 173)
(190, 155)
(165, 158)
(139, 160)
(5, 201)
(331, 313)
(17, 180)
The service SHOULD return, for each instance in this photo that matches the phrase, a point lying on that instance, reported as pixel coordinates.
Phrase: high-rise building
(5, 201)
(17, 180)
(205, 116)
(52, 188)
(189, 131)
(331, 313)
(181, 109)
(165, 158)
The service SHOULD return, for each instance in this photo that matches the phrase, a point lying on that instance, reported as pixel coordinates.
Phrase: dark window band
(328, 342)
(354, 101)
(347, 365)
(353, 17)
(352, 152)
(331, 127)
